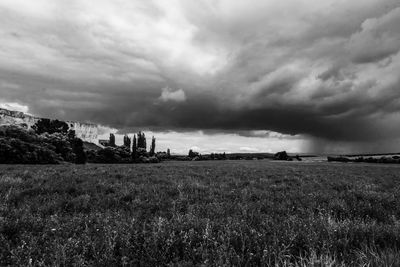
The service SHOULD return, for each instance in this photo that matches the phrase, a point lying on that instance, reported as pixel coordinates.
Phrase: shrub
(110, 155)
(281, 156)
(13, 151)
(50, 126)
(18, 145)
(77, 147)
(193, 154)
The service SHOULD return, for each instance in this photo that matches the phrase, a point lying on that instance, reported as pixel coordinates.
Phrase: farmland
(243, 213)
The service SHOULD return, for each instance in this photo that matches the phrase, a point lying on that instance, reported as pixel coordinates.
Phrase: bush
(120, 155)
(110, 155)
(15, 151)
(281, 156)
(18, 145)
(62, 145)
(339, 159)
(193, 154)
(50, 126)
(77, 147)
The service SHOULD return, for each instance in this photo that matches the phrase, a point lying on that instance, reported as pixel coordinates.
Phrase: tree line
(53, 141)
(48, 142)
(136, 146)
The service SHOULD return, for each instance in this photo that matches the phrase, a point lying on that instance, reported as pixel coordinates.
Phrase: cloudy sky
(217, 75)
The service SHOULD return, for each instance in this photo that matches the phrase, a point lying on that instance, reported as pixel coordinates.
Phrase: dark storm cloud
(327, 69)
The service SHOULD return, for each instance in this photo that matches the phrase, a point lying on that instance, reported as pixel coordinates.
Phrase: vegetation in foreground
(242, 213)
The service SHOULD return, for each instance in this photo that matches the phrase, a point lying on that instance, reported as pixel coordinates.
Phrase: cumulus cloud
(324, 69)
(167, 94)
(378, 39)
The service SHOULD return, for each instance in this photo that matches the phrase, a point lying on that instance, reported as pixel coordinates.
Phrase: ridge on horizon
(12, 112)
(86, 131)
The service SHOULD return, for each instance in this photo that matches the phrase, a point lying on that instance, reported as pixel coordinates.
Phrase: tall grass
(204, 213)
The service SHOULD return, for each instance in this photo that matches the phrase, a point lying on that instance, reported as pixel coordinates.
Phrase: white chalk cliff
(86, 131)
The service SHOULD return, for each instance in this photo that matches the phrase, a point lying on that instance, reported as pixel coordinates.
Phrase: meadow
(212, 213)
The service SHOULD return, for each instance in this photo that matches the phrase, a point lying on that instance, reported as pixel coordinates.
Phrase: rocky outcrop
(8, 117)
(85, 131)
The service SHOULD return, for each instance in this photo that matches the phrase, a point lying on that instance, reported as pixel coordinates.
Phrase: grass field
(244, 213)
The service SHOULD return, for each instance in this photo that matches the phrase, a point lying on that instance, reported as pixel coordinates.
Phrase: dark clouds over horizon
(324, 69)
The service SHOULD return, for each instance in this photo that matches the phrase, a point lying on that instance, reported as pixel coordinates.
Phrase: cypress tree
(144, 142)
(127, 142)
(141, 143)
(112, 140)
(139, 140)
(153, 146)
(134, 147)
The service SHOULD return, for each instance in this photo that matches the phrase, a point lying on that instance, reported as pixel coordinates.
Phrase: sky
(213, 75)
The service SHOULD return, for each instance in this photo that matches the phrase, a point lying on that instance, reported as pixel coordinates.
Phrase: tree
(153, 146)
(193, 154)
(20, 146)
(77, 148)
(144, 143)
(50, 126)
(112, 140)
(71, 134)
(134, 147)
(141, 141)
(127, 142)
(281, 156)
